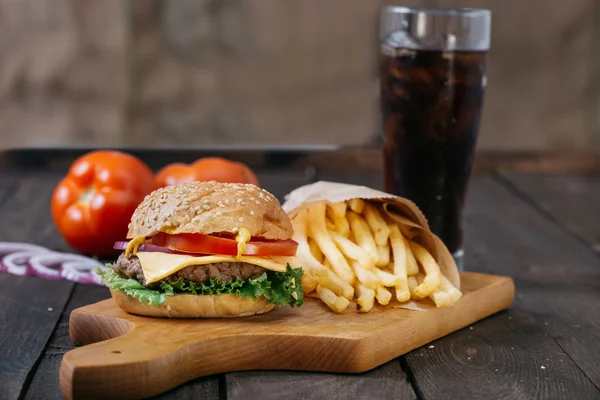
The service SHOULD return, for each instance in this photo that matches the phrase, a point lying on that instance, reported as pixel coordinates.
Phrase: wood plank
(29, 307)
(571, 199)
(385, 382)
(45, 382)
(335, 159)
(8, 183)
(508, 354)
(553, 322)
(26, 216)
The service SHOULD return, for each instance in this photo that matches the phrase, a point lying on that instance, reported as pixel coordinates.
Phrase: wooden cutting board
(127, 356)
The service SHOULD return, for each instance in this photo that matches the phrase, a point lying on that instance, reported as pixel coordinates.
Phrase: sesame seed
(251, 212)
(219, 213)
(238, 201)
(235, 229)
(257, 202)
(241, 219)
(227, 201)
(243, 203)
(205, 201)
(206, 207)
(252, 198)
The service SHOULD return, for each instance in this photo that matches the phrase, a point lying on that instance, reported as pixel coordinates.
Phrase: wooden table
(542, 229)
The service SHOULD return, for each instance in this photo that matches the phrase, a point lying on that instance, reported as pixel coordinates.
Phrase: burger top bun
(211, 207)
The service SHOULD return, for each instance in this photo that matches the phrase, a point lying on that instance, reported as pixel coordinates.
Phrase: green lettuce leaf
(280, 288)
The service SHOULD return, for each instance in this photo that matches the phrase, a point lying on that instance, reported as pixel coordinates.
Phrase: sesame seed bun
(194, 306)
(211, 207)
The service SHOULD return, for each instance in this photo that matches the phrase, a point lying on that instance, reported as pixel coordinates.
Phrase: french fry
(384, 255)
(362, 235)
(340, 287)
(399, 252)
(347, 255)
(339, 209)
(314, 270)
(413, 282)
(366, 298)
(303, 254)
(412, 267)
(378, 225)
(441, 299)
(449, 288)
(387, 279)
(383, 296)
(315, 250)
(329, 225)
(432, 271)
(309, 281)
(318, 231)
(365, 276)
(445, 295)
(357, 205)
(351, 250)
(337, 213)
(336, 303)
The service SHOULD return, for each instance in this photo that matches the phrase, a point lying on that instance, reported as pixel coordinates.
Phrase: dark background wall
(194, 72)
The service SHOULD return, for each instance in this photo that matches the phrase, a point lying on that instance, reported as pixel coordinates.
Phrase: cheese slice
(157, 266)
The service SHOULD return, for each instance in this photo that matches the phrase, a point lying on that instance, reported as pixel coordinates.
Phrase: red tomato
(208, 244)
(206, 169)
(93, 204)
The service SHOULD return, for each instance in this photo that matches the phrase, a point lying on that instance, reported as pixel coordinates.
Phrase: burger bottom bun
(194, 306)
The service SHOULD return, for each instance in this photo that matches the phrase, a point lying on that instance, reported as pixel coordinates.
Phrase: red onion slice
(144, 247)
(26, 259)
(17, 263)
(70, 272)
(9, 247)
(39, 263)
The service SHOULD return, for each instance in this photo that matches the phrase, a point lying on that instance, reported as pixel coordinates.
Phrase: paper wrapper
(399, 209)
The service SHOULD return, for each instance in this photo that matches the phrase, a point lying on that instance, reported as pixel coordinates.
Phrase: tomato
(206, 169)
(93, 204)
(209, 244)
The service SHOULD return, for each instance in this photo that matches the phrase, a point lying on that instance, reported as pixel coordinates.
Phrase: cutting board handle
(135, 360)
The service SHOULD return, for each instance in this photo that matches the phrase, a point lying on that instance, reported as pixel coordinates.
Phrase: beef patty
(223, 271)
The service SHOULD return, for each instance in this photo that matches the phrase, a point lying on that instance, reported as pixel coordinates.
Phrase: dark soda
(432, 103)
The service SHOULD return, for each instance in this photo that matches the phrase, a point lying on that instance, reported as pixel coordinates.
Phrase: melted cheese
(157, 266)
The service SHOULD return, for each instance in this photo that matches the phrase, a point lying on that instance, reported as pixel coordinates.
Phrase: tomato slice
(198, 243)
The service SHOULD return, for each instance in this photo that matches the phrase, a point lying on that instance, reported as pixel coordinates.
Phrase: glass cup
(433, 79)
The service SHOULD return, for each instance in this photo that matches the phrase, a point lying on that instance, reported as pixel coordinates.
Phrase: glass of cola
(432, 81)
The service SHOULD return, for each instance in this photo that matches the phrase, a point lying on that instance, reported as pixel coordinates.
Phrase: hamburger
(206, 250)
